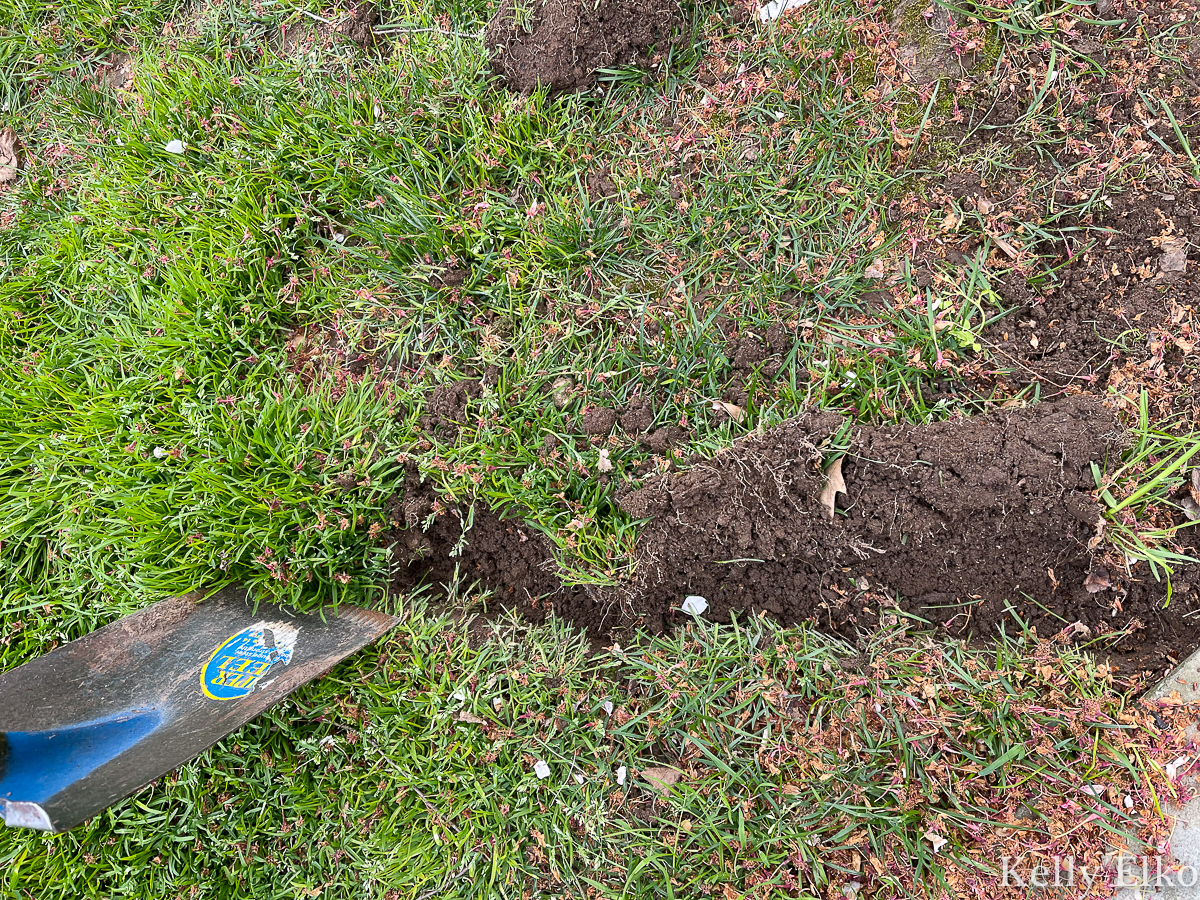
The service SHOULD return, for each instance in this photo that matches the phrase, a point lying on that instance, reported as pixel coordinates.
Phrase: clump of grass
(1140, 497)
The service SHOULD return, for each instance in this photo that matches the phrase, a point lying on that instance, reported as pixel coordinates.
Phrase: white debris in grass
(694, 605)
(159, 452)
(541, 770)
(777, 8)
(1174, 767)
(177, 147)
(497, 703)
(603, 463)
(578, 778)
(1128, 802)
(622, 774)
(607, 706)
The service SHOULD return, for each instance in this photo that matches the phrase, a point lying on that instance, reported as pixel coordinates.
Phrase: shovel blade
(91, 722)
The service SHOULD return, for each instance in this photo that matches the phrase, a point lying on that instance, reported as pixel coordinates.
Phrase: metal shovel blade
(91, 722)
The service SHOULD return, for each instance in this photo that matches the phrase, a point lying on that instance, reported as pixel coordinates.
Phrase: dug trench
(971, 524)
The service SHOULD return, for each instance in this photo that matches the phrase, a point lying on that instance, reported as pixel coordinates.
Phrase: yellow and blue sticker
(243, 660)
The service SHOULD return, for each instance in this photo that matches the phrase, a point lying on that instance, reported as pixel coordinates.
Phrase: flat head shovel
(91, 722)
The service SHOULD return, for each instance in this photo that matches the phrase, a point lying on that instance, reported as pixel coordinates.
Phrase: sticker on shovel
(243, 660)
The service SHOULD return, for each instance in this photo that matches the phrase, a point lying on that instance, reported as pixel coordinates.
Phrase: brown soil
(968, 524)
(502, 555)
(560, 44)
(360, 26)
(446, 408)
(597, 420)
(967, 521)
(1123, 316)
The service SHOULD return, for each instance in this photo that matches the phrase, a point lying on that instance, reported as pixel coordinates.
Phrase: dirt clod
(360, 27)
(598, 420)
(446, 407)
(561, 43)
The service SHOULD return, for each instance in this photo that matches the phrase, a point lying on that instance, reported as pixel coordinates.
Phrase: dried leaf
(1174, 258)
(1004, 245)
(469, 718)
(936, 840)
(1097, 581)
(834, 484)
(661, 778)
(1191, 509)
(1194, 489)
(875, 270)
(734, 412)
(10, 158)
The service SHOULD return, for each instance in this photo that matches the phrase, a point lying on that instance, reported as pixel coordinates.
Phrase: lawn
(257, 274)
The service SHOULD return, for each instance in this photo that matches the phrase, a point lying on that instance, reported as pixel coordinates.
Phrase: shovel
(91, 722)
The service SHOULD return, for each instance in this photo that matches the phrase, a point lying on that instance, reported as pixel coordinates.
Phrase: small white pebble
(608, 707)
(159, 452)
(175, 146)
(541, 770)
(622, 772)
(695, 606)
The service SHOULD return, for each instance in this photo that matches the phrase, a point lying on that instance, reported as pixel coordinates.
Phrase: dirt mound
(561, 43)
(963, 523)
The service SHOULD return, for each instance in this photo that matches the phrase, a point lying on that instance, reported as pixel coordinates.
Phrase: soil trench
(966, 523)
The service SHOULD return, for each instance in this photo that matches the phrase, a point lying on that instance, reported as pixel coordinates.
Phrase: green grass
(149, 298)
(160, 428)
(369, 783)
